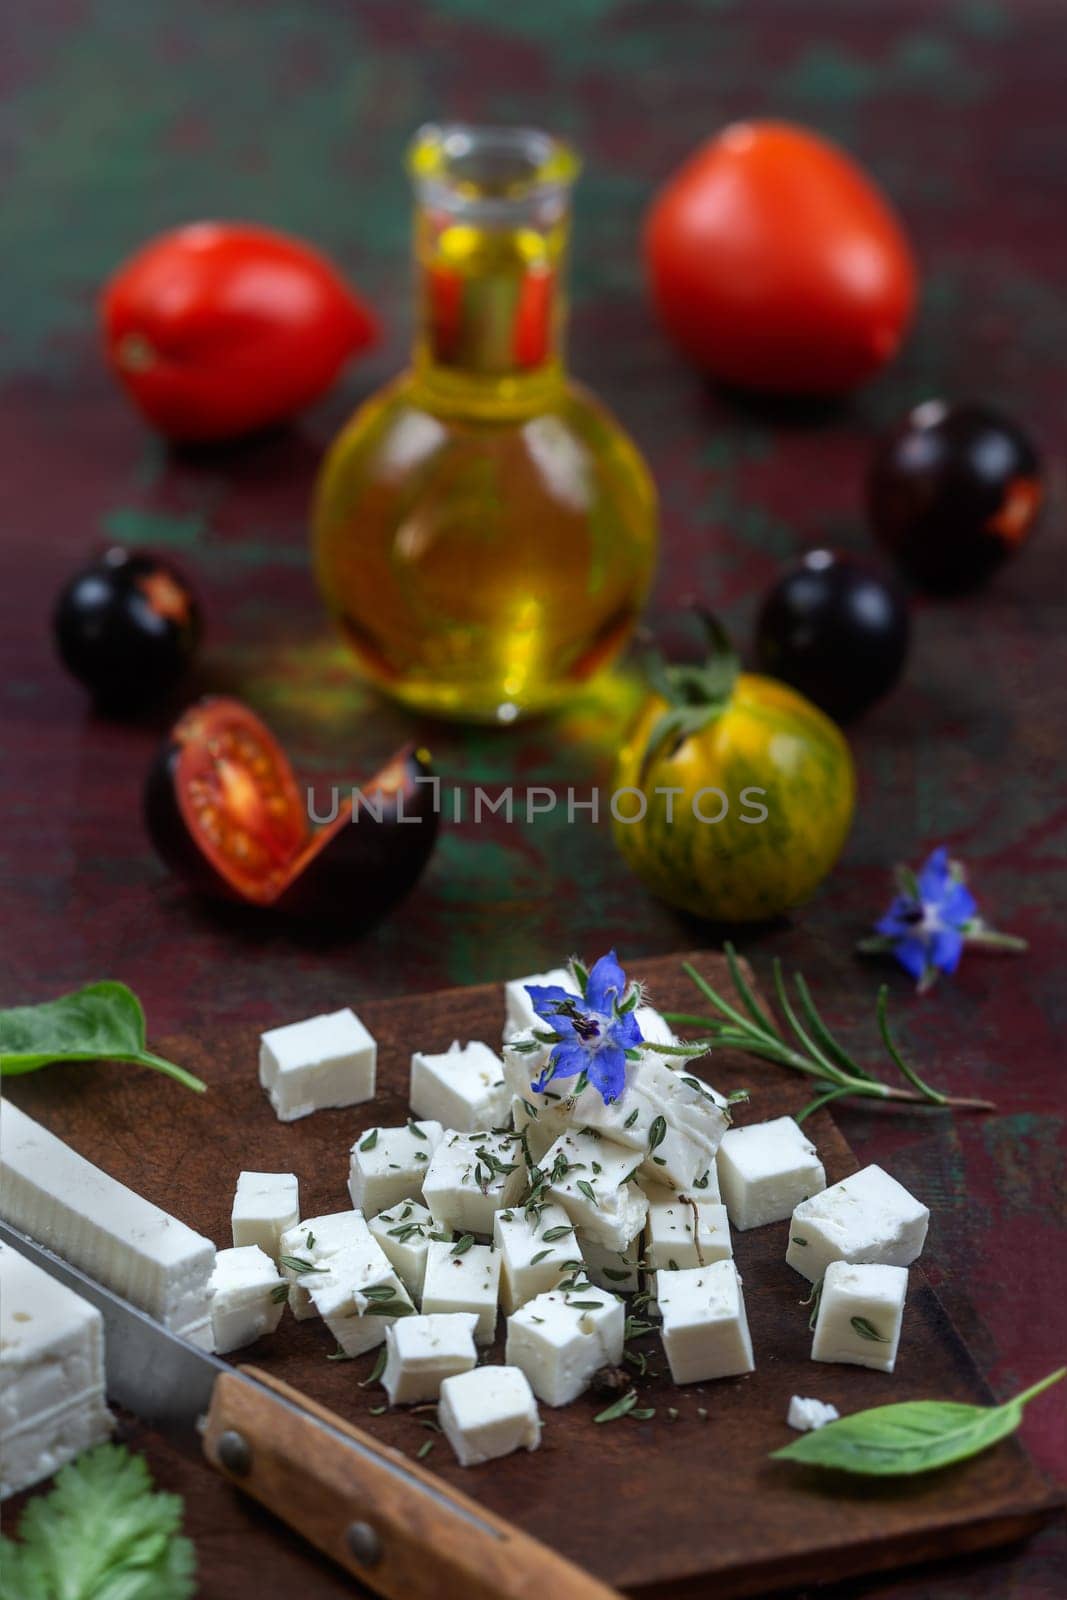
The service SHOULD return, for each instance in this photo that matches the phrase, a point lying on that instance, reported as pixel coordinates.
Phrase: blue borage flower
(593, 1032)
(932, 918)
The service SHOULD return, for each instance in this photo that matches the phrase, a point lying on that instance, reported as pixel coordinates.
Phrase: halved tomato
(225, 813)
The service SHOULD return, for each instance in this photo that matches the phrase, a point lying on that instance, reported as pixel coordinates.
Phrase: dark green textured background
(120, 119)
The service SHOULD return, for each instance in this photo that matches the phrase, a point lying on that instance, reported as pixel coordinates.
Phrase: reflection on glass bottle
(485, 533)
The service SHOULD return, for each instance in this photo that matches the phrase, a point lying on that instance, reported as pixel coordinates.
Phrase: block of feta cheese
(309, 1244)
(249, 1298)
(665, 1116)
(329, 1060)
(488, 1413)
(705, 1330)
(535, 1245)
(463, 1277)
(805, 1415)
(560, 1339)
(684, 1232)
(860, 1312)
(471, 1177)
(421, 1352)
(265, 1204)
(519, 1012)
(51, 1374)
(765, 1169)
(615, 1270)
(106, 1230)
(388, 1165)
(594, 1180)
(464, 1088)
(867, 1217)
(404, 1233)
(357, 1294)
(539, 1128)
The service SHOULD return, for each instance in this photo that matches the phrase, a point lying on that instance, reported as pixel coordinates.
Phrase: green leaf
(911, 1437)
(587, 1189)
(102, 1022)
(867, 1330)
(103, 1533)
(618, 1409)
(656, 1134)
(298, 1264)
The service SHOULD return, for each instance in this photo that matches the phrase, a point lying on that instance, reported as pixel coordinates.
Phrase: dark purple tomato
(953, 492)
(836, 631)
(127, 627)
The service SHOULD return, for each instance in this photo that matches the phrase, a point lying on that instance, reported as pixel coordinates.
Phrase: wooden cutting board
(682, 1505)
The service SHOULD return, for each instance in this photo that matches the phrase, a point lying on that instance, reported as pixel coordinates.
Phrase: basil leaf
(102, 1022)
(911, 1437)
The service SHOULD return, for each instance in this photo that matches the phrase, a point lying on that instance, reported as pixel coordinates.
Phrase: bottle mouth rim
(490, 171)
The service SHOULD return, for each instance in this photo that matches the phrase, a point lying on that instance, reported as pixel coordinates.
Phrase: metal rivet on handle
(234, 1452)
(364, 1543)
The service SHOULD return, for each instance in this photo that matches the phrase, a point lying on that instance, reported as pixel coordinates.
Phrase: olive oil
(484, 531)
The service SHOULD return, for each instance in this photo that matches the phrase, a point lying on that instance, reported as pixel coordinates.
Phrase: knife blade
(405, 1533)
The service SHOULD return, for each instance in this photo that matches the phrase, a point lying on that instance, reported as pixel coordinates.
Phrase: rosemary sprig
(816, 1052)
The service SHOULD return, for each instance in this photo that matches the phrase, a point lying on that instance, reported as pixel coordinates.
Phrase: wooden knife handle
(408, 1541)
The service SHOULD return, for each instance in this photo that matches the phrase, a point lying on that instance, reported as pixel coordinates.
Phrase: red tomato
(220, 328)
(776, 263)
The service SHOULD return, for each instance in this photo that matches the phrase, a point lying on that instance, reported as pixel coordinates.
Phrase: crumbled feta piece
(326, 1061)
(682, 1231)
(357, 1293)
(705, 1330)
(404, 1234)
(464, 1088)
(668, 1118)
(807, 1415)
(471, 1177)
(860, 1312)
(265, 1204)
(765, 1169)
(421, 1352)
(388, 1165)
(312, 1242)
(488, 1413)
(51, 1374)
(535, 1245)
(614, 1270)
(520, 1013)
(249, 1297)
(590, 1177)
(106, 1230)
(560, 1339)
(463, 1277)
(868, 1217)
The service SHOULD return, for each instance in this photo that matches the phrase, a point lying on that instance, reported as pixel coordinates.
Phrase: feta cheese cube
(471, 1177)
(250, 1296)
(560, 1339)
(535, 1245)
(860, 1312)
(464, 1088)
(328, 1060)
(807, 1415)
(705, 1330)
(308, 1244)
(488, 1413)
(668, 1118)
(590, 1177)
(463, 1277)
(404, 1234)
(388, 1165)
(614, 1270)
(51, 1374)
(357, 1293)
(540, 1129)
(520, 1014)
(684, 1232)
(765, 1169)
(106, 1230)
(868, 1217)
(264, 1206)
(421, 1352)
